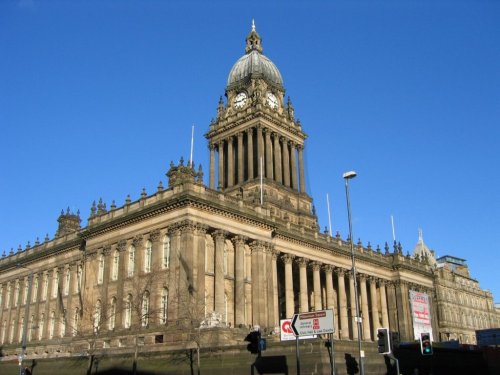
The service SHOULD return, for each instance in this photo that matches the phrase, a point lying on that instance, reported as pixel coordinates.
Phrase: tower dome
(254, 64)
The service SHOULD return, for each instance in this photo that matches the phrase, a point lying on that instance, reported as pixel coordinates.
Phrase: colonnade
(239, 158)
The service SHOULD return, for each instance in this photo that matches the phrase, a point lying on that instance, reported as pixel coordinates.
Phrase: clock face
(240, 100)
(272, 100)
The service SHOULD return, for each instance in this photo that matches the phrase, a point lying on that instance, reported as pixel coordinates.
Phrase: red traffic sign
(313, 323)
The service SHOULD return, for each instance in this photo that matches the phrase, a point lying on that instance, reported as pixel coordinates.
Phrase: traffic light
(394, 340)
(383, 341)
(254, 339)
(425, 343)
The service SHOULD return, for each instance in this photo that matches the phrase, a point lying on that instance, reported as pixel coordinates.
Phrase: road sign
(286, 331)
(313, 323)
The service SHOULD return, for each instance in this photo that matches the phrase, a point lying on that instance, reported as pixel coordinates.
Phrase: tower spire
(253, 40)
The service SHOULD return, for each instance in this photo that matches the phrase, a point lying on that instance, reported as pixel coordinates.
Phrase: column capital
(372, 279)
(300, 147)
(291, 143)
(137, 241)
(316, 266)
(249, 131)
(287, 258)
(362, 276)
(219, 234)
(201, 229)
(302, 262)
(239, 134)
(383, 282)
(122, 245)
(187, 226)
(258, 246)
(211, 146)
(154, 236)
(239, 240)
(328, 268)
(106, 250)
(340, 271)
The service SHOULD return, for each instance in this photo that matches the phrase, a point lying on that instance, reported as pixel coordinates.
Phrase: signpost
(313, 323)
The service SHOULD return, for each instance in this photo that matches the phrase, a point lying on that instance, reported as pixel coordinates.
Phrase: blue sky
(97, 97)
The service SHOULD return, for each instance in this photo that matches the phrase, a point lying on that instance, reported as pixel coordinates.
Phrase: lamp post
(26, 317)
(347, 176)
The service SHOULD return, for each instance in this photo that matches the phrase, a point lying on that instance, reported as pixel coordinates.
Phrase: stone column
(220, 147)
(352, 304)
(258, 286)
(383, 304)
(174, 288)
(301, 169)
(240, 159)
(260, 151)
(187, 283)
(239, 280)
(277, 158)
(403, 307)
(331, 301)
(364, 308)
(201, 231)
(212, 166)
(290, 304)
(375, 309)
(156, 251)
(304, 302)
(342, 296)
(230, 162)
(250, 155)
(317, 286)
(286, 161)
(271, 285)
(219, 239)
(392, 307)
(274, 266)
(293, 162)
(121, 247)
(269, 155)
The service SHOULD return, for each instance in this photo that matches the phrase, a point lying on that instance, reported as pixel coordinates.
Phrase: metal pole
(297, 354)
(26, 318)
(347, 176)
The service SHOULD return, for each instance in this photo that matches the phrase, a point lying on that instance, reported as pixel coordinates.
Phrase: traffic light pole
(391, 356)
(297, 354)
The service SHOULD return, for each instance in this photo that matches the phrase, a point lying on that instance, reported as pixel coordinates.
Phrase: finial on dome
(253, 40)
(420, 235)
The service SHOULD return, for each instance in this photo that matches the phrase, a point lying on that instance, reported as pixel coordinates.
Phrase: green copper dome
(254, 64)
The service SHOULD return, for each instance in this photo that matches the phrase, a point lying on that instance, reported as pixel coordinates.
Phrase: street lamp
(347, 176)
(26, 317)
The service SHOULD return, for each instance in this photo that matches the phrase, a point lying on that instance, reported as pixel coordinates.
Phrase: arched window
(147, 257)
(79, 277)
(128, 312)
(7, 297)
(164, 306)
(31, 327)
(112, 314)
(97, 316)
(76, 321)
(25, 295)
(62, 326)
(45, 286)
(55, 283)
(41, 326)
(116, 263)
(16, 294)
(145, 309)
(131, 261)
(4, 328)
(166, 251)
(67, 279)
(100, 272)
(225, 260)
(12, 328)
(52, 324)
(20, 330)
(35, 289)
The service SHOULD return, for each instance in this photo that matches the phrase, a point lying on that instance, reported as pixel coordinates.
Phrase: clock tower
(256, 143)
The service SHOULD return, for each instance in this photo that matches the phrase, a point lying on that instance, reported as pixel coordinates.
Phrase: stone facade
(243, 251)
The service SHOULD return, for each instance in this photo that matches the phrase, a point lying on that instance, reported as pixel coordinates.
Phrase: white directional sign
(286, 331)
(313, 323)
